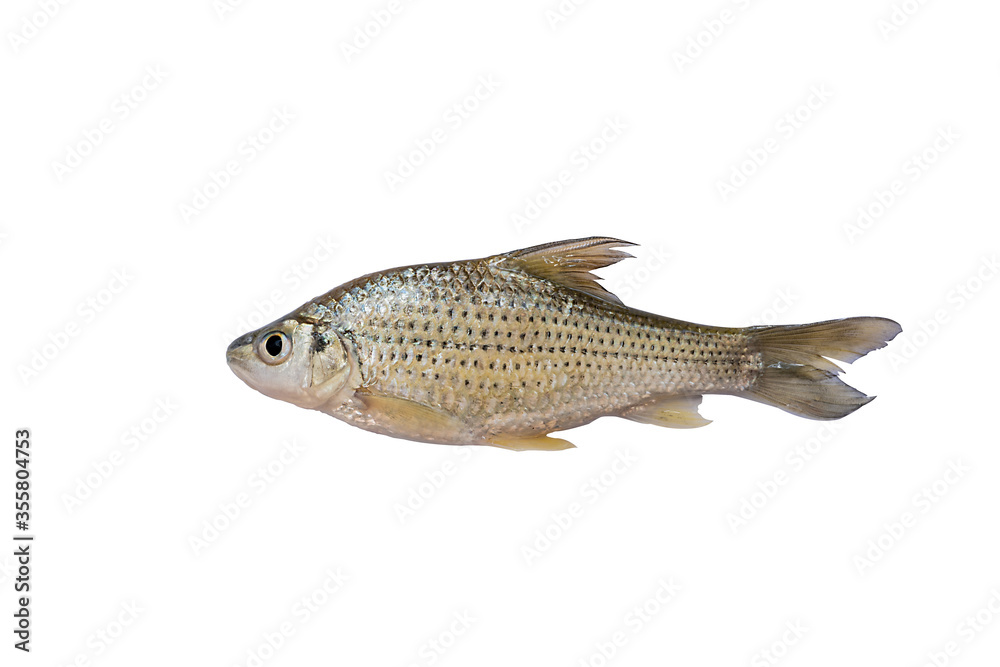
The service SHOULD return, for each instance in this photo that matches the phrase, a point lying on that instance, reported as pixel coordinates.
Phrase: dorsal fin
(569, 263)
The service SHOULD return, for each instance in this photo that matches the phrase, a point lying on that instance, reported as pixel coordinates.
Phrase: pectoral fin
(403, 418)
(669, 411)
(540, 442)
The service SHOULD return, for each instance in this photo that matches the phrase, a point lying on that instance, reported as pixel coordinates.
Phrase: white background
(816, 552)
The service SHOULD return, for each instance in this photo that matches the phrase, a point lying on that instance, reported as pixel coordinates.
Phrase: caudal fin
(798, 379)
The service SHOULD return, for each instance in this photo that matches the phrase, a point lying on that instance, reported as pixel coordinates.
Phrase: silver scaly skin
(506, 349)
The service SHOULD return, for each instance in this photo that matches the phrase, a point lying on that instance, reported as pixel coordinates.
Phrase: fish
(504, 350)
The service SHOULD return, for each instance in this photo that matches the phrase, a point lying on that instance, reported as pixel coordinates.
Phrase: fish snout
(245, 339)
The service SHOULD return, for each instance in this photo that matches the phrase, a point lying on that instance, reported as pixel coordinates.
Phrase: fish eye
(274, 347)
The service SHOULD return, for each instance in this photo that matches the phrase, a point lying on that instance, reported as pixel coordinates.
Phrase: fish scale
(522, 353)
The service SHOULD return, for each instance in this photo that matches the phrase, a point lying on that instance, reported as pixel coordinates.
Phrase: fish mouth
(237, 357)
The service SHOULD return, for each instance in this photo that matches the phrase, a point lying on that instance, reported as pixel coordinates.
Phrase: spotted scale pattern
(508, 352)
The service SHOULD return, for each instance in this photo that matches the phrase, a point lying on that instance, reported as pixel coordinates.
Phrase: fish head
(304, 363)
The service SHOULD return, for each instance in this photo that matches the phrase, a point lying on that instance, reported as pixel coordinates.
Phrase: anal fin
(669, 411)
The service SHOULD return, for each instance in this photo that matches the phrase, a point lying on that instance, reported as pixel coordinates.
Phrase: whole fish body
(505, 349)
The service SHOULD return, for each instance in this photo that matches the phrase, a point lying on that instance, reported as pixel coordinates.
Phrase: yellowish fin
(669, 411)
(404, 418)
(541, 442)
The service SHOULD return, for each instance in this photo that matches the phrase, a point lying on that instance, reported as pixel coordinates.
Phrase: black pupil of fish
(273, 345)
